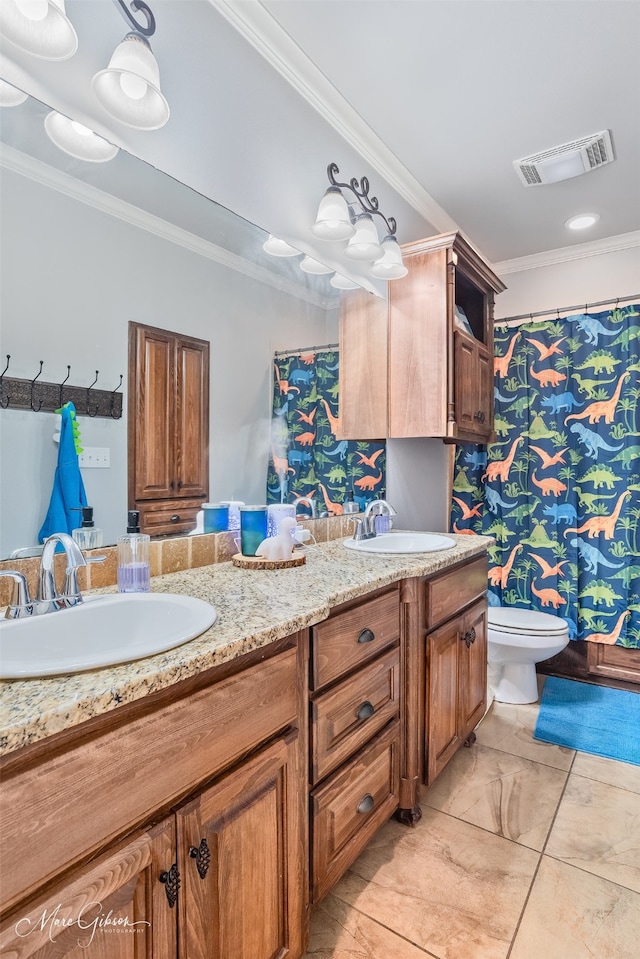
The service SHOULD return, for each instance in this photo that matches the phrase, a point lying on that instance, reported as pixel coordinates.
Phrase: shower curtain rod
(309, 349)
(583, 307)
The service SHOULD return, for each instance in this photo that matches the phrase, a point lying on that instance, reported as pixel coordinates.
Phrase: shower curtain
(560, 488)
(306, 458)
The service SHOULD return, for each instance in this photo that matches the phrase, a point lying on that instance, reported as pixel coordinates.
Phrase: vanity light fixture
(10, 96)
(78, 140)
(582, 221)
(277, 247)
(309, 265)
(340, 282)
(129, 88)
(39, 27)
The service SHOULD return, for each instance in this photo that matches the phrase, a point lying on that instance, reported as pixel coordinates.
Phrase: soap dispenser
(133, 557)
(87, 536)
(350, 506)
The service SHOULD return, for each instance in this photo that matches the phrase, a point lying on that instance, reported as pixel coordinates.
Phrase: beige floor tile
(624, 775)
(453, 889)
(597, 828)
(508, 795)
(572, 915)
(340, 932)
(510, 728)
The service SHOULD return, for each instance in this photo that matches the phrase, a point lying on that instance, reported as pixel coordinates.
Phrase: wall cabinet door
(472, 669)
(120, 907)
(473, 393)
(240, 851)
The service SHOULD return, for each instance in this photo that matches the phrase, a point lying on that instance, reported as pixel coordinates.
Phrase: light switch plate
(95, 457)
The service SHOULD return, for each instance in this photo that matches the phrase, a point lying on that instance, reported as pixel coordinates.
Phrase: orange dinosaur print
(610, 638)
(547, 377)
(306, 439)
(549, 597)
(548, 570)
(466, 512)
(498, 575)
(462, 532)
(334, 421)
(281, 464)
(335, 509)
(307, 358)
(369, 460)
(547, 460)
(549, 486)
(307, 417)
(501, 363)
(499, 469)
(602, 408)
(601, 524)
(547, 351)
(283, 385)
(368, 482)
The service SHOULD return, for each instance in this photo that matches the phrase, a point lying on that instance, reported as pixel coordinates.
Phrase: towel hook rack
(36, 409)
(62, 385)
(89, 388)
(4, 404)
(112, 412)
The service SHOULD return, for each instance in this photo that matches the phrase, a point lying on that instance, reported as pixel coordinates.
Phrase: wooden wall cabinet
(439, 378)
(168, 428)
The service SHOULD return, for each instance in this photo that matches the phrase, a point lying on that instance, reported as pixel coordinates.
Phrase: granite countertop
(254, 608)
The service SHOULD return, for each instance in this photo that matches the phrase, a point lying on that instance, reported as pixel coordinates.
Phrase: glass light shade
(39, 27)
(309, 265)
(364, 244)
(10, 96)
(129, 89)
(277, 247)
(77, 140)
(340, 282)
(333, 221)
(390, 265)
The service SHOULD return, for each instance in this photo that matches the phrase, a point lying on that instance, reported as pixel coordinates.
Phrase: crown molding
(254, 22)
(42, 173)
(609, 244)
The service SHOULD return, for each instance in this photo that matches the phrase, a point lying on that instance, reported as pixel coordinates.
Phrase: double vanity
(201, 800)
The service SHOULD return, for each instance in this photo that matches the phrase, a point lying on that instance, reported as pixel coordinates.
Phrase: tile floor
(524, 851)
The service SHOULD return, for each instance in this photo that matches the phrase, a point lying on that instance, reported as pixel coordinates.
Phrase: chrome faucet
(71, 595)
(366, 526)
(309, 502)
(20, 604)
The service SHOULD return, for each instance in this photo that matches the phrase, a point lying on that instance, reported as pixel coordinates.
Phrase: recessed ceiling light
(582, 221)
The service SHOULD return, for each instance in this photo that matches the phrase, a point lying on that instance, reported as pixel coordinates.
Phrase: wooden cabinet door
(115, 908)
(441, 733)
(472, 668)
(473, 373)
(242, 862)
(151, 413)
(192, 417)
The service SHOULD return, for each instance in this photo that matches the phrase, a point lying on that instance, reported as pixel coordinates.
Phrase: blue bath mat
(593, 719)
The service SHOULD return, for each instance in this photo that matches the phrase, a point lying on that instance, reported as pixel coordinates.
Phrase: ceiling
(431, 100)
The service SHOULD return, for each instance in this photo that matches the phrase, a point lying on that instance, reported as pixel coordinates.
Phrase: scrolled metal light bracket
(360, 190)
(137, 6)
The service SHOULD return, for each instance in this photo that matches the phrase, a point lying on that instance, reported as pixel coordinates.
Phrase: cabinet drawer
(348, 639)
(451, 592)
(351, 806)
(175, 516)
(347, 716)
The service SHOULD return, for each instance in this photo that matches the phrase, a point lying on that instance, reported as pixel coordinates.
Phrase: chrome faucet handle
(46, 583)
(70, 589)
(20, 604)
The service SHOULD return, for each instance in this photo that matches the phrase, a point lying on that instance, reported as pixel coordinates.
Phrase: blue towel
(68, 489)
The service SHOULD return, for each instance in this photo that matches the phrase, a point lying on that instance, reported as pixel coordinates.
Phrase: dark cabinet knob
(175, 518)
(172, 485)
(202, 857)
(366, 710)
(171, 880)
(366, 636)
(480, 416)
(469, 637)
(180, 482)
(366, 804)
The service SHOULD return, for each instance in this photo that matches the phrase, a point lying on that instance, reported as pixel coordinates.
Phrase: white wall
(71, 279)
(417, 469)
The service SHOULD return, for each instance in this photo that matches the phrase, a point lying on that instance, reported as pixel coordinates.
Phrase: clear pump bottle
(133, 558)
(87, 536)
(350, 506)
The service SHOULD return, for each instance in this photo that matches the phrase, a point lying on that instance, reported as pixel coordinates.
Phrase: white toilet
(518, 639)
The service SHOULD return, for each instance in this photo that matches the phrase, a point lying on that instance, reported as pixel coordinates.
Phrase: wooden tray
(258, 562)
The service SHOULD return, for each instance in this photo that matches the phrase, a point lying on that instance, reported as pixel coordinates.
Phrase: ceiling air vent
(568, 160)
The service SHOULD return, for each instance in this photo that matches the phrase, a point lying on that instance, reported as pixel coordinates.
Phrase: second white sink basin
(102, 631)
(401, 541)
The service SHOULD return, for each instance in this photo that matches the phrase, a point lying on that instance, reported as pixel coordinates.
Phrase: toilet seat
(524, 622)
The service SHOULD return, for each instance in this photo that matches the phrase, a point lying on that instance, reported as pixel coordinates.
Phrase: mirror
(88, 247)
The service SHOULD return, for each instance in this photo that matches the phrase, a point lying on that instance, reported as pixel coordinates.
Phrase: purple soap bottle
(133, 558)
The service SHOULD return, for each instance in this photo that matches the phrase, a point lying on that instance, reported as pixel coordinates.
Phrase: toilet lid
(526, 621)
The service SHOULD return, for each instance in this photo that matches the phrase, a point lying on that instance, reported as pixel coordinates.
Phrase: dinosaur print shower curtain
(306, 457)
(560, 488)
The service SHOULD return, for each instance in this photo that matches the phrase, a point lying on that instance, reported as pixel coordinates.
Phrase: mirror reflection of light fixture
(129, 88)
(78, 140)
(39, 27)
(277, 247)
(309, 265)
(10, 96)
(340, 282)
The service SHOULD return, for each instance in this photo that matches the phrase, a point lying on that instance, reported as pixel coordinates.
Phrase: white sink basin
(102, 631)
(401, 541)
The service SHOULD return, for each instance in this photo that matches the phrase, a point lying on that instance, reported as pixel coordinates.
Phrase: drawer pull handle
(202, 857)
(175, 518)
(366, 710)
(469, 637)
(366, 804)
(366, 636)
(171, 880)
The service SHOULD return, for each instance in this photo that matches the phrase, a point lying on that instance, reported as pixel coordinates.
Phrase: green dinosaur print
(588, 386)
(520, 407)
(601, 476)
(626, 575)
(625, 338)
(520, 513)
(627, 456)
(600, 361)
(500, 531)
(600, 593)
(587, 616)
(336, 474)
(589, 500)
(500, 426)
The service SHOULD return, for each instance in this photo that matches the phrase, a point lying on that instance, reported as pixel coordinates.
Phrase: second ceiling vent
(568, 160)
